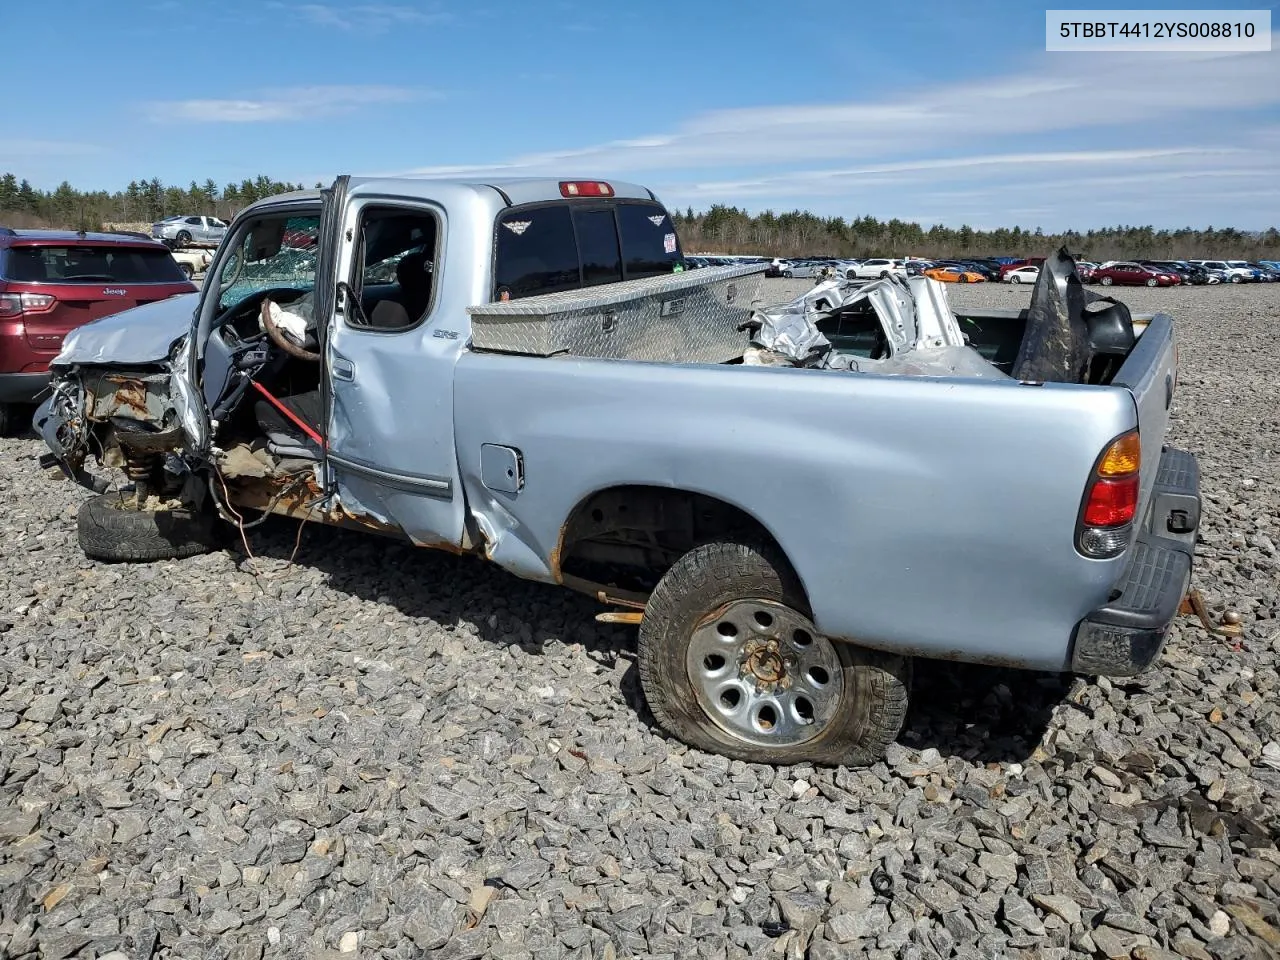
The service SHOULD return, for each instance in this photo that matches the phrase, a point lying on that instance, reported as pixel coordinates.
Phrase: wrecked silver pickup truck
(790, 501)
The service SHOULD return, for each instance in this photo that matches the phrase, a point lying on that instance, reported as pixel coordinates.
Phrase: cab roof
(510, 190)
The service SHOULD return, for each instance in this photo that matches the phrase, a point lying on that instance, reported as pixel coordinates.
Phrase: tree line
(65, 207)
(726, 229)
(721, 229)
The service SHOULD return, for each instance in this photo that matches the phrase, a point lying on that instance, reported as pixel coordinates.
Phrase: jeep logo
(113, 292)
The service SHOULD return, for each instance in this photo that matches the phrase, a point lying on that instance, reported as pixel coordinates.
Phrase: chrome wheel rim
(763, 674)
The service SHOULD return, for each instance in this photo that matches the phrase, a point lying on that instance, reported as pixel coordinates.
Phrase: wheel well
(630, 536)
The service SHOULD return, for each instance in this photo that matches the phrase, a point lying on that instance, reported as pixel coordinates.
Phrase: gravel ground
(377, 752)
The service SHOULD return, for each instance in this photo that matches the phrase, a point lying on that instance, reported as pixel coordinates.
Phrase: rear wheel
(188, 271)
(1236, 278)
(183, 238)
(1015, 279)
(731, 662)
(113, 527)
(788, 275)
(884, 274)
(1106, 281)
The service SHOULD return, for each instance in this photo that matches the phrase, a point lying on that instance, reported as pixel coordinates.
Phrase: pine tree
(9, 192)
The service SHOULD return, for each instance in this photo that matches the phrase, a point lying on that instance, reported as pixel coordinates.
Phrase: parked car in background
(1254, 273)
(950, 274)
(185, 231)
(54, 281)
(876, 268)
(1028, 262)
(1268, 273)
(775, 267)
(1023, 274)
(990, 271)
(192, 262)
(1230, 274)
(807, 268)
(1131, 274)
(1187, 273)
(1085, 270)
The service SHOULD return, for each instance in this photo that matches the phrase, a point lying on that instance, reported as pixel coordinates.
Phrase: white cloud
(1063, 117)
(24, 149)
(288, 104)
(367, 17)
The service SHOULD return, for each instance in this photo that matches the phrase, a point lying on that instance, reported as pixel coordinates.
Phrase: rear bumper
(22, 387)
(1125, 636)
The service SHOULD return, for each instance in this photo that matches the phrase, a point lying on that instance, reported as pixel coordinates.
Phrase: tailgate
(1149, 373)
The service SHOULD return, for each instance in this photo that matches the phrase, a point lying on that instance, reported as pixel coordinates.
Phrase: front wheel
(1153, 282)
(113, 527)
(731, 662)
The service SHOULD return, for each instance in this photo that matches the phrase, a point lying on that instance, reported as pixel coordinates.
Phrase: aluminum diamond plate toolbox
(693, 317)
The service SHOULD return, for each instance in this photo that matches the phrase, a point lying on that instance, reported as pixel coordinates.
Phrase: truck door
(389, 357)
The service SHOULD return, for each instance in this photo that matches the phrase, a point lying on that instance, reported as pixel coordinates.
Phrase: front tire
(731, 663)
(111, 527)
(1153, 282)
(8, 419)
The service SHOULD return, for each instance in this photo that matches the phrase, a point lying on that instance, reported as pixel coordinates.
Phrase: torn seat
(285, 438)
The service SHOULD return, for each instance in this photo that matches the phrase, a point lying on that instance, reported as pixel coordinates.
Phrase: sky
(948, 113)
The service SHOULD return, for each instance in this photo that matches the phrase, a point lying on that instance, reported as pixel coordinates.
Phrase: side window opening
(395, 279)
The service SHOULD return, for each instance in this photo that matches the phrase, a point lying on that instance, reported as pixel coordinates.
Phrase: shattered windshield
(276, 253)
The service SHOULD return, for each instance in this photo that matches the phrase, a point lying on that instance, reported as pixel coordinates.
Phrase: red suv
(54, 281)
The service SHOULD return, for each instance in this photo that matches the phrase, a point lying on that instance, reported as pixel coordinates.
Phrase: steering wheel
(279, 338)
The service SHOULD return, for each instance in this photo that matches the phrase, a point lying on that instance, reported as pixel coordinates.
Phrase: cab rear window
(90, 264)
(551, 247)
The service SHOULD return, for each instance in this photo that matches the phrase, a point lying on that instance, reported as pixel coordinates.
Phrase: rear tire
(110, 527)
(842, 705)
(8, 419)
(183, 238)
(1106, 281)
(1235, 279)
(788, 275)
(1015, 279)
(188, 271)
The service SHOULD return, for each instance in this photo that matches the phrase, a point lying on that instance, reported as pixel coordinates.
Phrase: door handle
(342, 369)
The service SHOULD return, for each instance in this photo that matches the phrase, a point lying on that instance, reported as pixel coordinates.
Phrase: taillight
(1111, 501)
(585, 188)
(16, 304)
